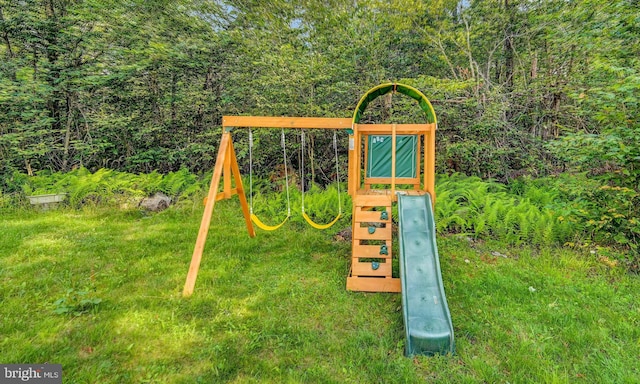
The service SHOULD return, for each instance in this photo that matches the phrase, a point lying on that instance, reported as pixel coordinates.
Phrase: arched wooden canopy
(385, 88)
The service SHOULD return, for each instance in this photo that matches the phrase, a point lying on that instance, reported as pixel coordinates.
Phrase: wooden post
(430, 163)
(365, 160)
(393, 161)
(354, 162)
(416, 186)
(358, 166)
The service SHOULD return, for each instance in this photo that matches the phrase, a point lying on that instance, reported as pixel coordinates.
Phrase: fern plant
(483, 209)
(110, 187)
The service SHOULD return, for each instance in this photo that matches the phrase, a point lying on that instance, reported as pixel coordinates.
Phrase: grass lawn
(99, 291)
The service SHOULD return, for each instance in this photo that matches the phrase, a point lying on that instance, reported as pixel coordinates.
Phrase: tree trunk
(67, 135)
(5, 37)
(508, 58)
(508, 47)
(27, 165)
(52, 77)
(534, 67)
(174, 79)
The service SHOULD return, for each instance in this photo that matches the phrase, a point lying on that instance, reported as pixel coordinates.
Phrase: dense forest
(522, 88)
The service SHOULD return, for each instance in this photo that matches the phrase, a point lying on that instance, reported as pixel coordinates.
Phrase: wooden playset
(382, 157)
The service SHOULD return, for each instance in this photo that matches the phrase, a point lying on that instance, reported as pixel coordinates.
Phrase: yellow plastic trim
(264, 226)
(320, 226)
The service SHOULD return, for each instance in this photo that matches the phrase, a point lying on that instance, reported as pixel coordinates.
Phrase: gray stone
(156, 203)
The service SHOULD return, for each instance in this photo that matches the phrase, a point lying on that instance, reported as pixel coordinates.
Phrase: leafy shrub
(5, 200)
(600, 213)
(486, 209)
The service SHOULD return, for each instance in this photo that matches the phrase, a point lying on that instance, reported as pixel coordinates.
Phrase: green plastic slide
(427, 320)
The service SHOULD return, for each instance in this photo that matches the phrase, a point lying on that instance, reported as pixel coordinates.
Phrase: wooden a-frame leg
(206, 216)
(227, 163)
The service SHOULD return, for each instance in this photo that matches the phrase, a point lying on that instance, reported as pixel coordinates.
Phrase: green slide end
(427, 320)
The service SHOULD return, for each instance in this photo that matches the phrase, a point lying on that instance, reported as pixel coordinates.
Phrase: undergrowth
(565, 209)
(486, 209)
(104, 187)
(601, 214)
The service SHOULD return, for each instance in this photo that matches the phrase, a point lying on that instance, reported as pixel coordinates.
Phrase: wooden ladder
(371, 255)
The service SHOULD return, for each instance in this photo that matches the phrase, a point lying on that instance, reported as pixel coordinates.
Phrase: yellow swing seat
(320, 226)
(267, 227)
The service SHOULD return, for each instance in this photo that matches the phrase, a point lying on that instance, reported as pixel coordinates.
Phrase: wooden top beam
(285, 122)
(401, 129)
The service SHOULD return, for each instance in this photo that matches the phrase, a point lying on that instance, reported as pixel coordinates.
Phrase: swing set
(257, 221)
(387, 155)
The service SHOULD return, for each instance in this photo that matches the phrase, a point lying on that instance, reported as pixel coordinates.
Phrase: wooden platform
(376, 195)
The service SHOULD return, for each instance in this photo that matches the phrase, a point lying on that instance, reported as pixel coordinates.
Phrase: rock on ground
(156, 203)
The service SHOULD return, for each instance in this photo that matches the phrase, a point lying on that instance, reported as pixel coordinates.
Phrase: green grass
(274, 308)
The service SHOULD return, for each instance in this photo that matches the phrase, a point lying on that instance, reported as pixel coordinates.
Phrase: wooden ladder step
(360, 251)
(366, 257)
(365, 268)
(363, 216)
(360, 233)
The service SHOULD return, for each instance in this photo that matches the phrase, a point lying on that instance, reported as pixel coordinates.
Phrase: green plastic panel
(379, 156)
(427, 320)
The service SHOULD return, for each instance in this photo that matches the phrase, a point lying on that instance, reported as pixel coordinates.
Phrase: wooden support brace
(286, 122)
(227, 172)
(225, 161)
(241, 194)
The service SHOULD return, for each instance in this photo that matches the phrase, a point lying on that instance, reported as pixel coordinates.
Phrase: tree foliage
(520, 87)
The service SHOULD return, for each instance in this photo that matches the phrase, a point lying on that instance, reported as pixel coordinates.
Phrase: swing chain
(286, 178)
(302, 169)
(286, 173)
(335, 148)
(250, 172)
